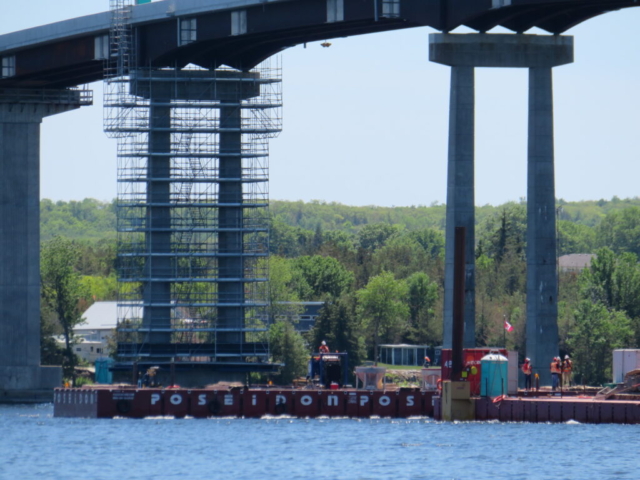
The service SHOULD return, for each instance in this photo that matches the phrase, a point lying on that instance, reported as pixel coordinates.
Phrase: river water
(34, 445)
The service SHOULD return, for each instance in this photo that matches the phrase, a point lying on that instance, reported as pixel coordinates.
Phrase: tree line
(381, 273)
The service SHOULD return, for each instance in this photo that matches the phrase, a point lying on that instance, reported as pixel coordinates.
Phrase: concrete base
(29, 384)
(16, 397)
(456, 401)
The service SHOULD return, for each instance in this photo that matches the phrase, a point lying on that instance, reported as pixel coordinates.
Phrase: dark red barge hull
(258, 402)
(554, 410)
(240, 402)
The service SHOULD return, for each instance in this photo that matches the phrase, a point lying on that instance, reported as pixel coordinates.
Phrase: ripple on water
(35, 445)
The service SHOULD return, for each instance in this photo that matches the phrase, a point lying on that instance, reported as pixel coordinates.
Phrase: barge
(477, 398)
(241, 402)
(111, 402)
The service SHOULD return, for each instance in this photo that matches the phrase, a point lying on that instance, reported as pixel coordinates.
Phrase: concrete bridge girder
(70, 52)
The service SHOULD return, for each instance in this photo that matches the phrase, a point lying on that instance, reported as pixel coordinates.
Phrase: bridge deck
(64, 54)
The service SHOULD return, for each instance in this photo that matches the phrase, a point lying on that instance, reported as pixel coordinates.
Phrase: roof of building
(100, 316)
(402, 345)
(575, 261)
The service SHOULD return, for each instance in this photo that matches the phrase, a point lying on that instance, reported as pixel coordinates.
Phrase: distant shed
(403, 354)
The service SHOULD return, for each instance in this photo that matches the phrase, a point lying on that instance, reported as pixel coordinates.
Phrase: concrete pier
(22, 379)
(538, 53)
(460, 199)
(194, 237)
(542, 274)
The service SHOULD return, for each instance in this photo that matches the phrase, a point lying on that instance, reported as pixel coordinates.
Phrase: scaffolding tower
(192, 207)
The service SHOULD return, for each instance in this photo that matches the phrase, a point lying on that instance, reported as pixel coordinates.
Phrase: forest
(380, 271)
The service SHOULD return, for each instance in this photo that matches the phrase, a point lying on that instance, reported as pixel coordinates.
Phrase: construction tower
(192, 211)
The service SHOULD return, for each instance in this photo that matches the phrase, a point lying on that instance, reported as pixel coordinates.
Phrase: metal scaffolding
(192, 209)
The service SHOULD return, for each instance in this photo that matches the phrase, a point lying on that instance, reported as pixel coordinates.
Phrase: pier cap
(500, 50)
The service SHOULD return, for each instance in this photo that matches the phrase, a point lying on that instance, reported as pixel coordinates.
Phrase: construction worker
(527, 370)
(556, 370)
(567, 367)
(427, 362)
(323, 347)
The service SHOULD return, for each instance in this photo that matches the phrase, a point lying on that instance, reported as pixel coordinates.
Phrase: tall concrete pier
(539, 54)
(460, 198)
(21, 113)
(542, 273)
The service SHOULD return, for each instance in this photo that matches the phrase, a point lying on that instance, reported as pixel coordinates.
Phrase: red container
(177, 403)
(411, 402)
(280, 402)
(384, 404)
(254, 403)
(333, 404)
(218, 403)
(471, 357)
(359, 403)
(351, 403)
(199, 403)
(134, 403)
(75, 403)
(307, 403)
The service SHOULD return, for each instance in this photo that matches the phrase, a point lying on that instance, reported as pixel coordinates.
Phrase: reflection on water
(34, 445)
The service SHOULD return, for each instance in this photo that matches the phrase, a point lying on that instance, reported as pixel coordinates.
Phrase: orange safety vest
(526, 368)
(554, 367)
(568, 366)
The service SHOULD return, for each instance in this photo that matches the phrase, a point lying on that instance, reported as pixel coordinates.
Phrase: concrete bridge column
(460, 198)
(21, 113)
(538, 53)
(542, 275)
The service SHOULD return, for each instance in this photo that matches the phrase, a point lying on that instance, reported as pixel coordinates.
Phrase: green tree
(62, 292)
(289, 241)
(431, 240)
(325, 276)
(372, 237)
(502, 238)
(283, 297)
(402, 255)
(596, 333)
(620, 231)
(288, 347)
(338, 325)
(100, 288)
(613, 280)
(575, 238)
(423, 294)
(382, 308)
(50, 351)
(504, 232)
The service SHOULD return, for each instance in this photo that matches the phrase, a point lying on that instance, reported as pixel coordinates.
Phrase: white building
(100, 323)
(575, 262)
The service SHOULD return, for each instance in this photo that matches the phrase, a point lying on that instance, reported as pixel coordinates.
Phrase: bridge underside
(243, 37)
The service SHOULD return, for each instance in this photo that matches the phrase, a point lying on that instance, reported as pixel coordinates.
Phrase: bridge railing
(76, 96)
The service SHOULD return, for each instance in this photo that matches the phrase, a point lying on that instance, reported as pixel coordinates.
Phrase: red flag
(507, 326)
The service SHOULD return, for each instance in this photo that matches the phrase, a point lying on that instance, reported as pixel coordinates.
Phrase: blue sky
(365, 121)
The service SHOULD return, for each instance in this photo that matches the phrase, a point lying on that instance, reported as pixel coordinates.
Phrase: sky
(365, 121)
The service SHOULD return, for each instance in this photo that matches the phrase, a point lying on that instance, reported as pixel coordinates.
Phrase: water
(34, 445)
